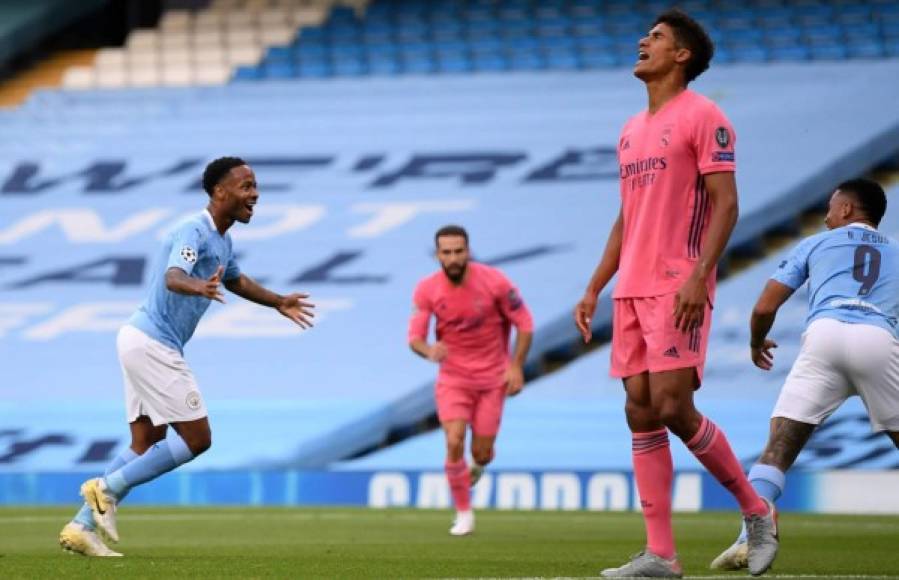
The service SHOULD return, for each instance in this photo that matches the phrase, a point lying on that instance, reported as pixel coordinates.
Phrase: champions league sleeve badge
(188, 254)
(722, 136)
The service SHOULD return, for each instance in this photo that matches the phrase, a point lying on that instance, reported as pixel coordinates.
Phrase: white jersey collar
(861, 225)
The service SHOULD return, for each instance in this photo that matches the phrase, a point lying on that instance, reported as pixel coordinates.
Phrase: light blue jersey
(853, 275)
(195, 246)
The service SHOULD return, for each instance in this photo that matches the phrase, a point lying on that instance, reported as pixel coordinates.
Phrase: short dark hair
(869, 196)
(450, 230)
(690, 35)
(217, 170)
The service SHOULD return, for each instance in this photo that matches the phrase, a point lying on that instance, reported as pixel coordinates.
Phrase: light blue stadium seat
(749, 53)
(383, 66)
(736, 23)
(744, 36)
(823, 31)
(872, 48)
(313, 70)
(782, 37)
(595, 42)
(562, 60)
(454, 64)
(282, 53)
(489, 62)
(530, 60)
(790, 53)
(486, 45)
(722, 55)
(593, 59)
(350, 68)
(891, 47)
(521, 44)
(279, 70)
(418, 65)
(312, 33)
(866, 30)
(851, 14)
(580, 12)
(834, 51)
(247, 73)
(890, 30)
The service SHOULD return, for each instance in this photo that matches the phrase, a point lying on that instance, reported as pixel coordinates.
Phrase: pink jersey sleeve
(713, 141)
(512, 305)
(421, 314)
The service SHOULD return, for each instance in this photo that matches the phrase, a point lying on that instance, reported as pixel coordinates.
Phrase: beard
(455, 272)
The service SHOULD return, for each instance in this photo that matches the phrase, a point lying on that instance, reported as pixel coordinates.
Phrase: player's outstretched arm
(691, 299)
(763, 314)
(608, 265)
(177, 280)
(293, 306)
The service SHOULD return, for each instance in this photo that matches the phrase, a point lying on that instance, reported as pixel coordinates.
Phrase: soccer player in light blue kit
(160, 389)
(850, 346)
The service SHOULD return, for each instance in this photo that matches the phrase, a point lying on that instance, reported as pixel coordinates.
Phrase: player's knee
(482, 455)
(637, 413)
(198, 442)
(674, 418)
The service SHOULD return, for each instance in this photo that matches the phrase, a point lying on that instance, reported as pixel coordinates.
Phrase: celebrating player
(678, 208)
(850, 346)
(160, 389)
(475, 306)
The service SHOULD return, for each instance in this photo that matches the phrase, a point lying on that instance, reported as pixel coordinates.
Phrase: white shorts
(158, 382)
(836, 361)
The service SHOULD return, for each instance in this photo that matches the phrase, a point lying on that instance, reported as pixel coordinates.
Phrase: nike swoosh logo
(100, 510)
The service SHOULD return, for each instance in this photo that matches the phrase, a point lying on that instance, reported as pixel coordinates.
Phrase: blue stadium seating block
(247, 73)
(790, 53)
(829, 52)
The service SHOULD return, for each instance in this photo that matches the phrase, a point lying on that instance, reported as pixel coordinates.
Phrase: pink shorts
(482, 409)
(644, 338)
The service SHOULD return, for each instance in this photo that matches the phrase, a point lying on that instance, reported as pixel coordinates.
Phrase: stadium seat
(790, 53)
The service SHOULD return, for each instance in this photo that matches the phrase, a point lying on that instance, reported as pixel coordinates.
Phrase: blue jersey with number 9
(853, 275)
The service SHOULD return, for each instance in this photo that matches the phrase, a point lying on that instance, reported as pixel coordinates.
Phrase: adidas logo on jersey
(672, 352)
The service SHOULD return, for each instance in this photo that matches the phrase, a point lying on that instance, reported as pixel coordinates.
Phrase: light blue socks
(158, 459)
(768, 481)
(85, 516)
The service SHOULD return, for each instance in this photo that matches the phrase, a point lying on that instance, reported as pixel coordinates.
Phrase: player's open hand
(437, 352)
(762, 356)
(295, 307)
(514, 379)
(210, 288)
(689, 304)
(583, 315)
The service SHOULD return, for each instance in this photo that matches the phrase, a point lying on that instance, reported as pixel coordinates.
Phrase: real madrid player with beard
(160, 389)
(475, 307)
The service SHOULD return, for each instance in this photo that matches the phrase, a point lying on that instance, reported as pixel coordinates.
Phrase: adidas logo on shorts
(672, 352)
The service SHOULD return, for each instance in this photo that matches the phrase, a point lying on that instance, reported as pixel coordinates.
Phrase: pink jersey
(665, 207)
(473, 322)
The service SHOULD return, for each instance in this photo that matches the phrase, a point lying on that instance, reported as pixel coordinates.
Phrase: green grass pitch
(356, 543)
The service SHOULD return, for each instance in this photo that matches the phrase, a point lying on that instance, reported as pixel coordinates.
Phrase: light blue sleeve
(793, 270)
(185, 248)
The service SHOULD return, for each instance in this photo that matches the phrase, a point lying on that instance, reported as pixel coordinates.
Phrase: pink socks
(711, 448)
(654, 473)
(460, 484)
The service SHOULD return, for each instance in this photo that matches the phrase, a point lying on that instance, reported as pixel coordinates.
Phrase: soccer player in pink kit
(678, 208)
(475, 307)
